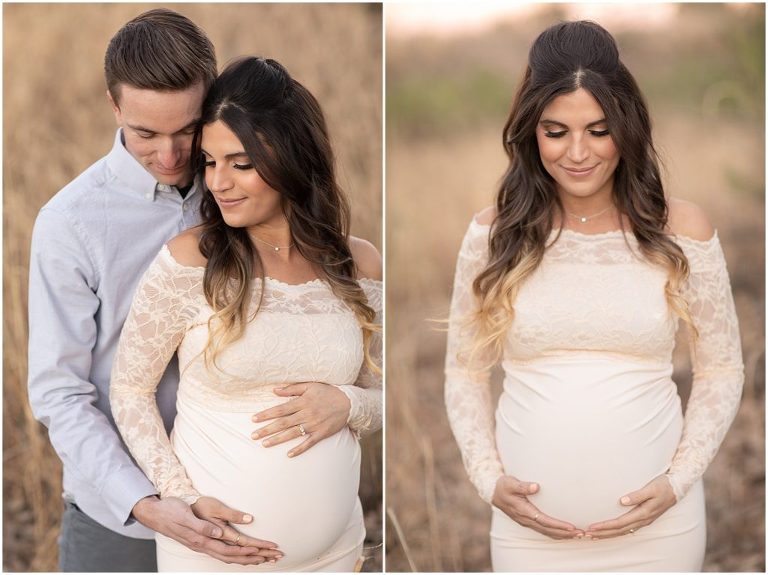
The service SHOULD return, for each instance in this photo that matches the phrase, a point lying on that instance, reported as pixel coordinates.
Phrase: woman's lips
(579, 172)
(230, 203)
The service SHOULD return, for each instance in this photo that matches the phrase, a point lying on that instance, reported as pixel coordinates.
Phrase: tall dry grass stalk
(57, 122)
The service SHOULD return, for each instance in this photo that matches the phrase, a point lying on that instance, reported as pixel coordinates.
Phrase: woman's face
(245, 200)
(575, 146)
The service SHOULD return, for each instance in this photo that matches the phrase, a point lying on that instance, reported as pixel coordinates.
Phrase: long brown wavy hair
(564, 58)
(283, 131)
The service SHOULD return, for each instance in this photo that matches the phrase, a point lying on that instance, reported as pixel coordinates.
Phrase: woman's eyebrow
(228, 156)
(548, 122)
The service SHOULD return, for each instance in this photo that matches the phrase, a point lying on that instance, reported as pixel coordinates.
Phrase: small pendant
(277, 249)
(583, 220)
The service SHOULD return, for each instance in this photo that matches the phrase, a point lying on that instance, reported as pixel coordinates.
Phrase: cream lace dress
(588, 409)
(307, 504)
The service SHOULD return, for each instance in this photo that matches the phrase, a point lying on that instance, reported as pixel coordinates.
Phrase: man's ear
(115, 108)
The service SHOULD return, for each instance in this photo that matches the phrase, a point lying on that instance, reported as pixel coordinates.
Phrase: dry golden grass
(57, 122)
(442, 168)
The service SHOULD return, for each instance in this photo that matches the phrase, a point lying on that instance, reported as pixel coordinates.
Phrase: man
(91, 245)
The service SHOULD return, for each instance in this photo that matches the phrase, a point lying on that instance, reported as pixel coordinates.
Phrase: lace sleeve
(155, 326)
(718, 371)
(467, 387)
(365, 396)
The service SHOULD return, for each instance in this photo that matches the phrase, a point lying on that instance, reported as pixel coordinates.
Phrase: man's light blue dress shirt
(90, 246)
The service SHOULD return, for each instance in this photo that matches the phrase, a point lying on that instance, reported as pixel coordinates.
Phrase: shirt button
(185, 207)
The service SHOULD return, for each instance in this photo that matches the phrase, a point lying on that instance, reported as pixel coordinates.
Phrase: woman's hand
(205, 529)
(511, 496)
(214, 511)
(317, 409)
(649, 503)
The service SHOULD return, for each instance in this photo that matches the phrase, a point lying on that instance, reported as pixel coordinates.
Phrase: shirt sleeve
(365, 412)
(467, 385)
(63, 304)
(718, 370)
(162, 309)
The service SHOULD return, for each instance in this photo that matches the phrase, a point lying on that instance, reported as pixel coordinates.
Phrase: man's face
(158, 129)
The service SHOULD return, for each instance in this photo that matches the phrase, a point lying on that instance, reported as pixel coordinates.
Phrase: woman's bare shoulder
(486, 216)
(689, 220)
(367, 258)
(185, 248)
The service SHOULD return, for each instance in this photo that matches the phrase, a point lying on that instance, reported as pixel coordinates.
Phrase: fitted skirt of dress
(307, 504)
(588, 431)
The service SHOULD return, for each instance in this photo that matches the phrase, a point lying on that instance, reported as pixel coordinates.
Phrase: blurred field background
(450, 83)
(57, 122)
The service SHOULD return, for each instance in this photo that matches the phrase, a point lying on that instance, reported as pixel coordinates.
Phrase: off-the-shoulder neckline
(270, 280)
(609, 234)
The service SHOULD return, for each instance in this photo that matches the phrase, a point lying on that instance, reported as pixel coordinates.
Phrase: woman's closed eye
(561, 133)
(212, 164)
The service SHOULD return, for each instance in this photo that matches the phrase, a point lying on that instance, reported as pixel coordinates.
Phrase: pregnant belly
(588, 431)
(303, 503)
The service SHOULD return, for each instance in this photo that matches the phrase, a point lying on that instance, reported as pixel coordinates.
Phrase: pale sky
(447, 18)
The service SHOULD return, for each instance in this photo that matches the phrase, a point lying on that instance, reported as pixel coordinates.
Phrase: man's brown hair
(159, 50)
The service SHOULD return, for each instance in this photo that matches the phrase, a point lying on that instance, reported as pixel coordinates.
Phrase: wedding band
(536, 517)
(237, 540)
(302, 430)
(631, 530)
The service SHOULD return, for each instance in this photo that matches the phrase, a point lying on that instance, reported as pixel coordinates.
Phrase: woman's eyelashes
(210, 164)
(561, 133)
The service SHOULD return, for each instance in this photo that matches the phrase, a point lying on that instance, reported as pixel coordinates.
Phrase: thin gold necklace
(273, 246)
(585, 219)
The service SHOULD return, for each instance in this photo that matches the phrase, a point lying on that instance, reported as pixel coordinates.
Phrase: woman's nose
(578, 150)
(219, 180)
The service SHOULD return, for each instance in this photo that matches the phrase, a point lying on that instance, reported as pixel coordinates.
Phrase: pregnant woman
(268, 291)
(575, 281)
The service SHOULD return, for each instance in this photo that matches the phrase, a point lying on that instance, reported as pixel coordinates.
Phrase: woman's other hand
(205, 528)
(647, 505)
(213, 510)
(511, 496)
(317, 409)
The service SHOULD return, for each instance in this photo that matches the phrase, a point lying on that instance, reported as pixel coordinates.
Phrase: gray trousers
(87, 546)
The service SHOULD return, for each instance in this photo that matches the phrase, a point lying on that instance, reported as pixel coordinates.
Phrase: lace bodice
(300, 333)
(596, 295)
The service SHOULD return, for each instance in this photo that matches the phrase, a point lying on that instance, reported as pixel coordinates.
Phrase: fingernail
(255, 418)
(271, 560)
(291, 454)
(625, 500)
(254, 435)
(247, 518)
(266, 443)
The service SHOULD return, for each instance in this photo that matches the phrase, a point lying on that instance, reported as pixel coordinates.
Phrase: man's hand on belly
(647, 504)
(175, 519)
(511, 496)
(316, 411)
